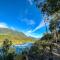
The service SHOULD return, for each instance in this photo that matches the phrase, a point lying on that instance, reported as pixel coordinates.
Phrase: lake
(22, 47)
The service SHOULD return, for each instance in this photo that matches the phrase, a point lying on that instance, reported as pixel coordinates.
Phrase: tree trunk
(26, 57)
(50, 53)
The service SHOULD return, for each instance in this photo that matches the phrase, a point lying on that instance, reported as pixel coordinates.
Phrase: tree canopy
(47, 36)
(48, 7)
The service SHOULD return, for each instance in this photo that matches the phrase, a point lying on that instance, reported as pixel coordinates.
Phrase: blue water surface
(22, 47)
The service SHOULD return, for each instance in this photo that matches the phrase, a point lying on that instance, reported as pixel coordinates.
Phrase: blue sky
(22, 15)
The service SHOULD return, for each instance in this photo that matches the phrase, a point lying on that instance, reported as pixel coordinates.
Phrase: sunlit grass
(15, 39)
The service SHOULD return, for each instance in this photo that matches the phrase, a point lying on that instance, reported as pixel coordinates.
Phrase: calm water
(22, 47)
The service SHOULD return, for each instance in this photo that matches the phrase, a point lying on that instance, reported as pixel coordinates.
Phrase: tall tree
(6, 47)
(54, 26)
(47, 36)
(48, 6)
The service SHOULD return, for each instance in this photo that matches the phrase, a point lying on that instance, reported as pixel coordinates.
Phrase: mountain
(15, 36)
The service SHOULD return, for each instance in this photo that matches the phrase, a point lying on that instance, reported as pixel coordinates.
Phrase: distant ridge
(15, 36)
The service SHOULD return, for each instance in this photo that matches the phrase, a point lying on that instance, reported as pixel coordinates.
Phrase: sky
(23, 16)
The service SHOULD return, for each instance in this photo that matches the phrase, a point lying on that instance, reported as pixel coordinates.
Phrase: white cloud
(3, 25)
(42, 24)
(31, 2)
(30, 34)
(39, 26)
(28, 21)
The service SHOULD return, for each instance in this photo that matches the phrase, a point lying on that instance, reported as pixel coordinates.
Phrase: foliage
(48, 6)
(5, 49)
(10, 56)
(6, 45)
(47, 37)
(53, 25)
(34, 53)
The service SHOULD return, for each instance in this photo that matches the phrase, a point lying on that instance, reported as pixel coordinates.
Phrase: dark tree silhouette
(6, 54)
(48, 6)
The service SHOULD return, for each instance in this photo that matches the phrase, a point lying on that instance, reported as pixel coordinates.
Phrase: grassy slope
(15, 36)
(16, 39)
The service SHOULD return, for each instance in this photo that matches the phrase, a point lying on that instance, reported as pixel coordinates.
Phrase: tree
(10, 56)
(6, 47)
(52, 25)
(35, 53)
(47, 36)
(24, 55)
(50, 52)
(48, 7)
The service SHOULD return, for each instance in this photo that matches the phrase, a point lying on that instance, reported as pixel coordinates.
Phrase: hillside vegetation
(15, 36)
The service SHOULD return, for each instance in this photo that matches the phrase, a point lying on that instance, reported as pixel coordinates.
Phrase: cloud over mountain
(3, 25)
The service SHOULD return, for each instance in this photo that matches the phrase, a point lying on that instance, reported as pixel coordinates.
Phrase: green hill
(15, 36)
